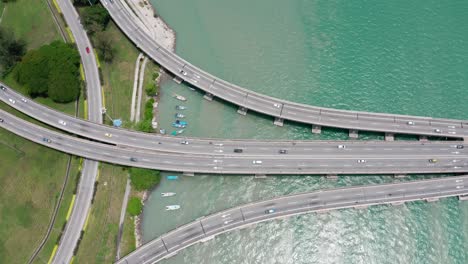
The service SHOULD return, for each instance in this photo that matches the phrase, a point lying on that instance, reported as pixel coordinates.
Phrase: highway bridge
(433, 157)
(279, 109)
(207, 227)
(136, 140)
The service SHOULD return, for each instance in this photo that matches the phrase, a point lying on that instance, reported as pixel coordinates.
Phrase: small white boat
(180, 97)
(172, 207)
(168, 194)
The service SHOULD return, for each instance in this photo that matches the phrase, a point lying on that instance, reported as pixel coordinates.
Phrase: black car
(283, 151)
(3, 87)
(46, 140)
(238, 150)
(133, 159)
(460, 146)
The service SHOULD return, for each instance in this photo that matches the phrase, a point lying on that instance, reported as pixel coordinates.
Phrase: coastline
(166, 37)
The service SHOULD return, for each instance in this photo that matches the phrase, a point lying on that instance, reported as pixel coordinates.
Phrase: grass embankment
(31, 176)
(119, 75)
(32, 21)
(99, 241)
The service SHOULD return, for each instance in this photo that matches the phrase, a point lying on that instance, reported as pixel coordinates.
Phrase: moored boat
(180, 107)
(168, 194)
(172, 207)
(177, 132)
(179, 115)
(172, 177)
(162, 131)
(180, 97)
(178, 125)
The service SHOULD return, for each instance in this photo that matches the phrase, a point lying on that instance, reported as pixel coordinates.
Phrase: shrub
(144, 179)
(135, 206)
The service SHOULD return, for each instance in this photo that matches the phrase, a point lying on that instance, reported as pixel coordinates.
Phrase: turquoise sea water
(407, 57)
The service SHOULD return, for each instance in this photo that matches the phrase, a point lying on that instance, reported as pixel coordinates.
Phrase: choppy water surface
(407, 57)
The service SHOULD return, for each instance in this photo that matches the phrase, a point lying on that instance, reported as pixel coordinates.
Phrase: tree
(151, 89)
(11, 50)
(104, 46)
(95, 18)
(135, 206)
(145, 126)
(52, 70)
(84, 2)
(144, 179)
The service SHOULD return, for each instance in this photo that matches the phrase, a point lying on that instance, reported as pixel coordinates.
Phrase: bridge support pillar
(423, 138)
(177, 80)
(399, 176)
(389, 137)
(332, 177)
(242, 110)
(278, 121)
(431, 200)
(188, 173)
(463, 197)
(316, 129)
(353, 133)
(260, 176)
(208, 97)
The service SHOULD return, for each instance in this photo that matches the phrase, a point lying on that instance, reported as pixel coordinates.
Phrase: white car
(341, 146)
(362, 161)
(437, 130)
(411, 123)
(108, 135)
(24, 100)
(63, 123)
(11, 101)
(257, 162)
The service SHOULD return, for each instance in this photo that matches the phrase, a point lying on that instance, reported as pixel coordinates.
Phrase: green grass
(99, 241)
(60, 221)
(118, 76)
(127, 243)
(30, 181)
(32, 21)
(31, 175)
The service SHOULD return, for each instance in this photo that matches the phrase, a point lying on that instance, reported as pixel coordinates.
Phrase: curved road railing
(278, 108)
(447, 159)
(207, 227)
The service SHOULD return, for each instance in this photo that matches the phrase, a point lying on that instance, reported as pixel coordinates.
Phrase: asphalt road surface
(403, 159)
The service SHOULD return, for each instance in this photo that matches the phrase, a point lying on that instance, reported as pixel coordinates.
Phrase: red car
(87, 50)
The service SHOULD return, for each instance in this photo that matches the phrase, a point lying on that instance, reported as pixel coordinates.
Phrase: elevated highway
(448, 159)
(218, 223)
(278, 108)
(137, 140)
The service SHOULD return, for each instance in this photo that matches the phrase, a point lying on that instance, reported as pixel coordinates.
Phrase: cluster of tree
(152, 88)
(6, 1)
(145, 125)
(134, 206)
(95, 19)
(11, 50)
(85, 2)
(144, 179)
(52, 70)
